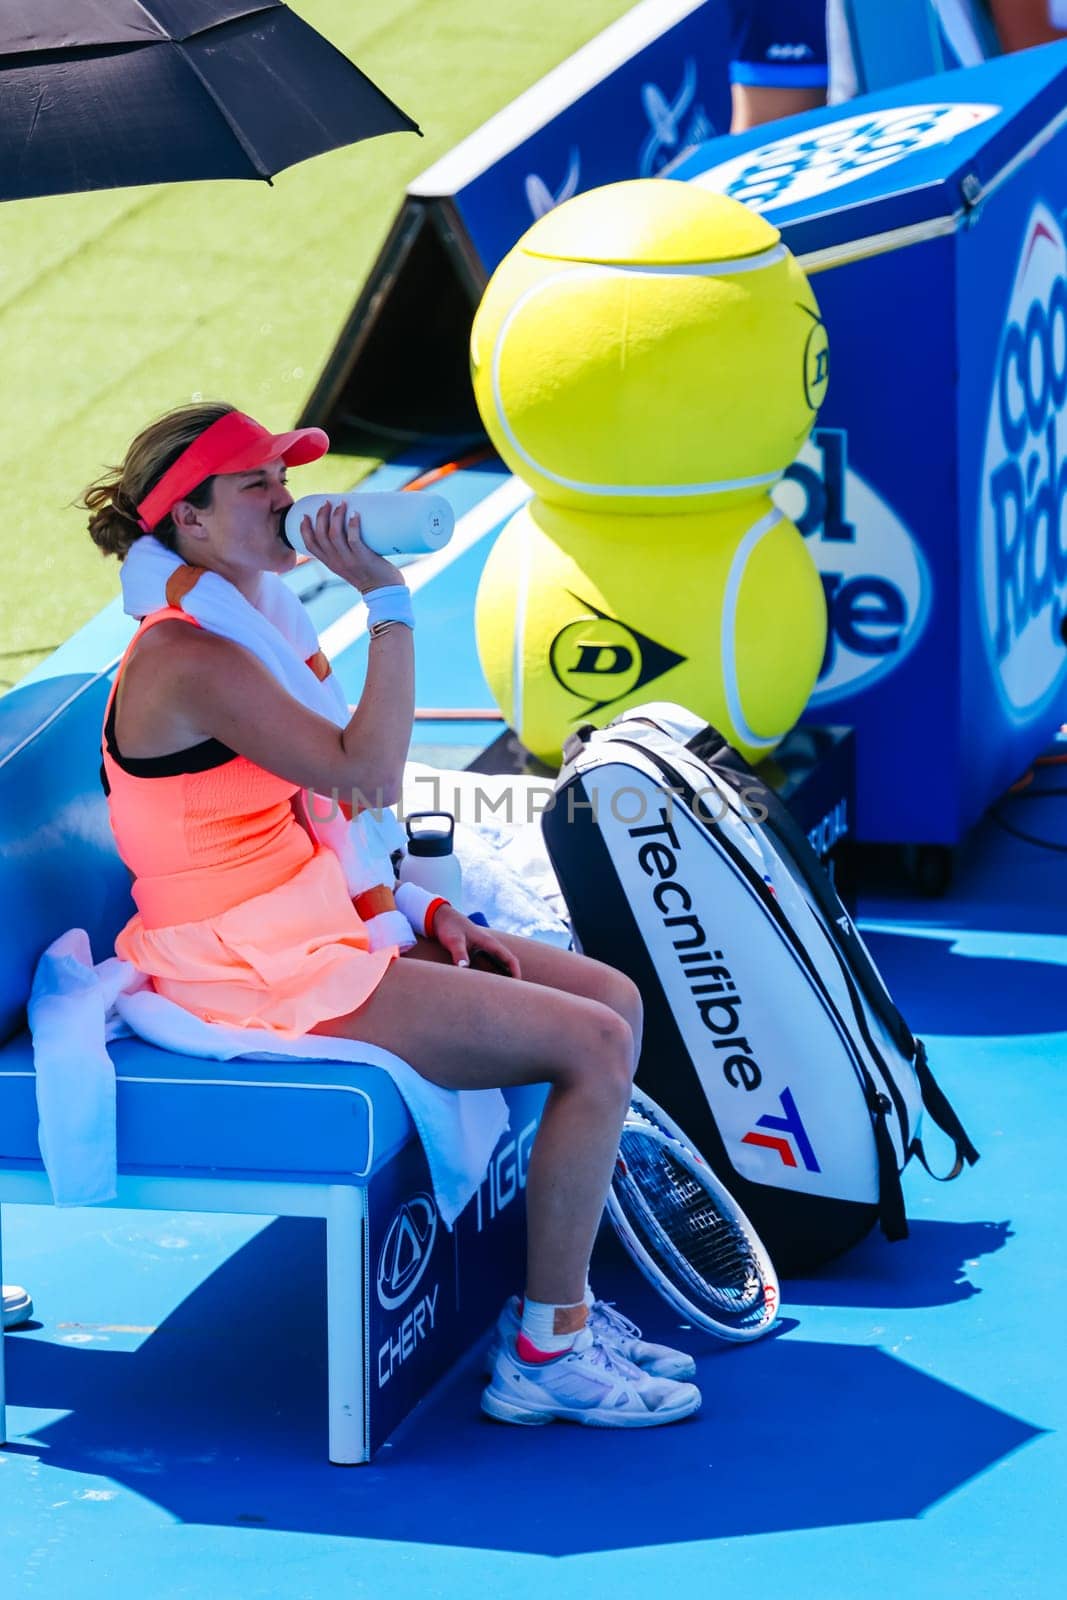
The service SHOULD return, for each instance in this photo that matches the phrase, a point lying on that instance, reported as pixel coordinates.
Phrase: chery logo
(406, 1253)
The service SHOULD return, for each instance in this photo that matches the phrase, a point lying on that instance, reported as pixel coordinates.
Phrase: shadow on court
(219, 1417)
(929, 1269)
(942, 991)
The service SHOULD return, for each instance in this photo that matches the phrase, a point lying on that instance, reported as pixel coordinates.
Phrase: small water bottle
(391, 523)
(430, 861)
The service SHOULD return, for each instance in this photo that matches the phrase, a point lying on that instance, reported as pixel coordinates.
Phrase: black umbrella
(99, 94)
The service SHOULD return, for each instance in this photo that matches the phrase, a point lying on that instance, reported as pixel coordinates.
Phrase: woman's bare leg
(562, 969)
(466, 1029)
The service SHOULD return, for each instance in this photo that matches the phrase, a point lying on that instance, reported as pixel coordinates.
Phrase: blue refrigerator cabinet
(931, 219)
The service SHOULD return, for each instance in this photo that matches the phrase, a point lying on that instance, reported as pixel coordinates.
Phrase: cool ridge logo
(1024, 498)
(600, 659)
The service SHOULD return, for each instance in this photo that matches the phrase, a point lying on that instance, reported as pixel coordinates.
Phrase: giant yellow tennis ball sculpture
(722, 611)
(649, 347)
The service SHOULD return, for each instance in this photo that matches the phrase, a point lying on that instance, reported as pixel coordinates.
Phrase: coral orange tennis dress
(241, 917)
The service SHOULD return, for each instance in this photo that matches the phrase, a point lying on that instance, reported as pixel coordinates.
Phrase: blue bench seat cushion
(185, 1114)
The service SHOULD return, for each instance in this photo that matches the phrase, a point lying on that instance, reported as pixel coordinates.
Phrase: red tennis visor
(235, 443)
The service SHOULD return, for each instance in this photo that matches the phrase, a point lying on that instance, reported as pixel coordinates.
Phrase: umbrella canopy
(99, 94)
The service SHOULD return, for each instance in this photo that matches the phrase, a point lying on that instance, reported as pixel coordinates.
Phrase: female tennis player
(242, 918)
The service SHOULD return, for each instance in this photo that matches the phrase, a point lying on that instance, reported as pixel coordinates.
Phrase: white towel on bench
(77, 1008)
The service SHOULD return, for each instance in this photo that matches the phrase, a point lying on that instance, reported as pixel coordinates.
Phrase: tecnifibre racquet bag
(769, 1035)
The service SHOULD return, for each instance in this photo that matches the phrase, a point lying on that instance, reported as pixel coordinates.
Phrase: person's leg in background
(778, 59)
(842, 76)
(1023, 23)
(965, 32)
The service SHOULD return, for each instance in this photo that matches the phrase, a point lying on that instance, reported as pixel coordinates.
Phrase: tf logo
(600, 659)
(785, 1135)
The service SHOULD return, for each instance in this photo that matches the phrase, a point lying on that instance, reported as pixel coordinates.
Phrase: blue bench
(405, 1297)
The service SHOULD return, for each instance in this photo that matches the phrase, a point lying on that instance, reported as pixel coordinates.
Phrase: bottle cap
(433, 841)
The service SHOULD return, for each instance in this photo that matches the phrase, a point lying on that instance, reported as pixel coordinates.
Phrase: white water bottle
(430, 860)
(392, 523)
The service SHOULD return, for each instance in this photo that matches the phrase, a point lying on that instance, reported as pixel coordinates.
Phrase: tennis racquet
(684, 1230)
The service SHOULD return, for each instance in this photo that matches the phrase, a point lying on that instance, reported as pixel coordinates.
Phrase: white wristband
(414, 901)
(390, 604)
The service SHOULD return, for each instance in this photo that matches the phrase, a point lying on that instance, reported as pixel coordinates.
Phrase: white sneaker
(590, 1384)
(612, 1329)
(18, 1307)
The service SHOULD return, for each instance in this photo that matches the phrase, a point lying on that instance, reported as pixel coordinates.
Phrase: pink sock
(538, 1339)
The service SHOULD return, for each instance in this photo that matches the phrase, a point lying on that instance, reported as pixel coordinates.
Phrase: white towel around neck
(279, 632)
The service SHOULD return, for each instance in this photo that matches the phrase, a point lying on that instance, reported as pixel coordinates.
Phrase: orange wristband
(372, 902)
(431, 914)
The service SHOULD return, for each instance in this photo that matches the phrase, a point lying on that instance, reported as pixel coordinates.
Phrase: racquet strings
(682, 1228)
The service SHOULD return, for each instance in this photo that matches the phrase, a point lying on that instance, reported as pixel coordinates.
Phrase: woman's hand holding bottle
(334, 539)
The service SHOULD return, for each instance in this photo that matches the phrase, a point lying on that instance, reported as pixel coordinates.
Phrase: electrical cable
(1027, 838)
(1021, 790)
(474, 458)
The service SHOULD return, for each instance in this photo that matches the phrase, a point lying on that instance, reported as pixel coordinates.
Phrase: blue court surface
(899, 1435)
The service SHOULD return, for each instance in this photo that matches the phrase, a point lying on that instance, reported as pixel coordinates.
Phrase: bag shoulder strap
(940, 1111)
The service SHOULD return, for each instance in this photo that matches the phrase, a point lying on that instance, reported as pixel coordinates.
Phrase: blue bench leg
(3, 1407)
(346, 1310)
